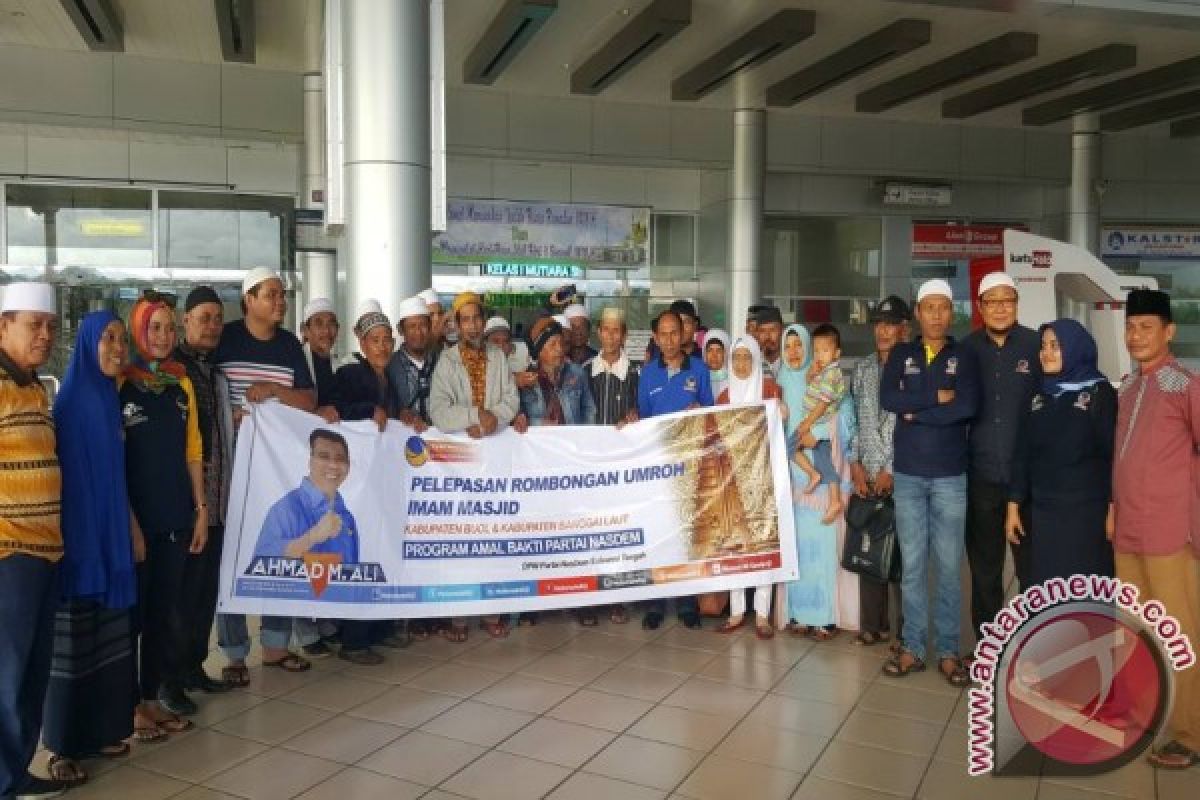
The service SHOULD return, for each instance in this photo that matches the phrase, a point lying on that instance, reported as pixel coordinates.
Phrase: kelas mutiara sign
(344, 521)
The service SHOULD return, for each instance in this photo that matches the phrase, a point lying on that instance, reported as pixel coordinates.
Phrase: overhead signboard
(493, 231)
(518, 269)
(1136, 241)
(908, 194)
(950, 242)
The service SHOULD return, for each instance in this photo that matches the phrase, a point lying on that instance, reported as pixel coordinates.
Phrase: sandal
(729, 626)
(764, 631)
(897, 668)
(957, 675)
(497, 630)
(66, 771)
(418, 629)
(617, 615)
(870, 638)
(290, 663)
(1174, 756)
(589, 619)
(236, 675)
(148, 734)
(455, 633)
(119, 750)
(174, 724)
(820, 634)
(796, 629)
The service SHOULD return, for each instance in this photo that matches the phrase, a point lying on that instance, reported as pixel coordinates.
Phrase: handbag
(870, 547)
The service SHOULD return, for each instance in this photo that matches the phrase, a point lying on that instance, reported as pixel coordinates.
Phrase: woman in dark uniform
(1062, 464)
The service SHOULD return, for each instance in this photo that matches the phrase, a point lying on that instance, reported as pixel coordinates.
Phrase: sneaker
(36, 788)
(317, 649)
(176, 701)
(199, 681)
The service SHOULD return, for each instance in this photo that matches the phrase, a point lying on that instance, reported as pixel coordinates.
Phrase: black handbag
(871, 548)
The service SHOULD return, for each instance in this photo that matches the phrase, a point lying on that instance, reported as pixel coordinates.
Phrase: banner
(949, 242)
(344, 521)
(485, 231)
(1131, 241)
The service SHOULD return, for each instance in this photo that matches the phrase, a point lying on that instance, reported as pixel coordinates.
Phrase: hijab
(154, 375)
(794, 381)
(749, 390)
(97, 562)
(719, 378)
(1079, 358)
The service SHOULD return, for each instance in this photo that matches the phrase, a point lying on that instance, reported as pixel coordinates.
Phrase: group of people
(112, 502)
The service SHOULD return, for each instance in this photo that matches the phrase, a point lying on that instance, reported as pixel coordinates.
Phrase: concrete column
(746, 213)
(1083, 204)
(318, 270)
(385, 47)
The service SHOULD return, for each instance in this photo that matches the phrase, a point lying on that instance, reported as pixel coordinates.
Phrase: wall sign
(517, 269)
(949, 242)
(1134, 241)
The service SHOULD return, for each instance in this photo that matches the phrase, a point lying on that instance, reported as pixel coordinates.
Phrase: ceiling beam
(656, 25)
(1002, 51)
(97, 23)
(1095, 63)
(513, 27)
(1177, 75)
(1148, 113)
(235, 24)
(896, 39)
(756, 46)
(1185, 128)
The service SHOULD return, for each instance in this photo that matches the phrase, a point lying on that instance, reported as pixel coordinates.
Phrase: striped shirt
(245, 360)
(30, 480)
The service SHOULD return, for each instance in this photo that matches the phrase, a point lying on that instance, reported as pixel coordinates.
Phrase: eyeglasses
(1004, 302)
(155, 296)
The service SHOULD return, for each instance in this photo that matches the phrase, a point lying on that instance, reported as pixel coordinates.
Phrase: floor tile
(360, 784)
(478, 723)
(215, 708)
(774, 747)
(399, 668)
(500, 776)
(871, 767)
(888, 697)
(501, 655)
(422, 758)
(721, 778)
(547, 637)
(745, 672)
(1135, 779)
(274, 775)
(129, 783)
(441, 648)
(523, 693)
(712, 697)
(585, 786)
(600, 710)
(460, 680)
(1178, 785)
(946, 781)
(571, 669)
(197, 757)
(204, 793)
(404, 706)
(670, 659)
(704, 639)
(802, 716)
(646, 763)
(825, 688)
(562, 743)
(900, 734)
(346, 740)
(817, 788)
(783, 649)
(854, 665)
(273, 721)
(274, 682)
(694, 730)
(441, 794)
(642, 683)
(604, 646)
(336, 692)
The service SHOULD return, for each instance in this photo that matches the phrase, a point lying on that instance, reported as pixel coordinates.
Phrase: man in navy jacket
(932, 385)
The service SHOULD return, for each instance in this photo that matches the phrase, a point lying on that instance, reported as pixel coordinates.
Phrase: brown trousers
(1174, 581)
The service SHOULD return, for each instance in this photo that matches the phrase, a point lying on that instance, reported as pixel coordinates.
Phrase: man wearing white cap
(319, 331)
(437, 319)
(1010, 373)
(31, 543)
(498, 333)
(932, 387)
(262, 361)
(579, 330)
(410, 370)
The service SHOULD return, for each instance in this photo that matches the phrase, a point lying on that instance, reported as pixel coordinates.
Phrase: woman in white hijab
(747, 384)
(716, 358)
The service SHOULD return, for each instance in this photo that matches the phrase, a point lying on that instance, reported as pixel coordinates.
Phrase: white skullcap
(575, 310)
(994, 279)
(29, 296)
(496, 323)
(413, 307)
(258, 275)
(562, 321)
(937, 286)
(368, 306)
(318, 305)
(430, 297)
(612, 314)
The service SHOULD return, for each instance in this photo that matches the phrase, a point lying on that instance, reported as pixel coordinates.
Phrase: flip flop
(455, 633)
(497, 630)
(1174, 756)
(148, 734)
(115, 751)
(764, 631)
(729, 626)
(175, 724)
(289, 663)
(617, 616)
(66, 771)
(896, 668)
(236, 675)
(957, 676)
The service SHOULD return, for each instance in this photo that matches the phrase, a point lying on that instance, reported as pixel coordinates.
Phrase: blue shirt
(660, 393)
(297, 512)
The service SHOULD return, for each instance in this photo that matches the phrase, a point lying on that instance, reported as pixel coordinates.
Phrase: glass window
(1181, 279)
(210, 230)
(674, 246)
(79, 226)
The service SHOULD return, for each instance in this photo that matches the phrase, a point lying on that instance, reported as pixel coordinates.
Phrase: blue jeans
(275, 632)
(931, 515)
(28, 598)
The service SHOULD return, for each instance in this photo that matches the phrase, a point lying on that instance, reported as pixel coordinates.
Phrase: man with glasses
(1009, 373)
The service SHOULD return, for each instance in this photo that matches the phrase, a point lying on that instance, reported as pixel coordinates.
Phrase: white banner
(344, 521)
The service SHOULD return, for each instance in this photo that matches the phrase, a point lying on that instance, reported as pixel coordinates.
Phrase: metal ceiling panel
(894, 40)
(1095, 63)
(97, 23)
(1002, 51)
(756, 46)
(1158, 110)
(656, 25)
(512, 28)
(235, 25)
(1178, 75)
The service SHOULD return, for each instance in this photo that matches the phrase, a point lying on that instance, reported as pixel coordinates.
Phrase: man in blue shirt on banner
(672, 382)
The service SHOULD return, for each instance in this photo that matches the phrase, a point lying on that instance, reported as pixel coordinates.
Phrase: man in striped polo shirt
(262, 361)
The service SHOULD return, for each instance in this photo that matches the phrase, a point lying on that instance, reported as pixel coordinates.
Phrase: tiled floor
(574, 713)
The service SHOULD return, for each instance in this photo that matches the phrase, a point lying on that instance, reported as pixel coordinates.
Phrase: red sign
(946, 242)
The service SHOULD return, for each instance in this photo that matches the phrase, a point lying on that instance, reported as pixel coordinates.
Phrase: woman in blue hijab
(90, 700)
(1062, 465)
(823, 594)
